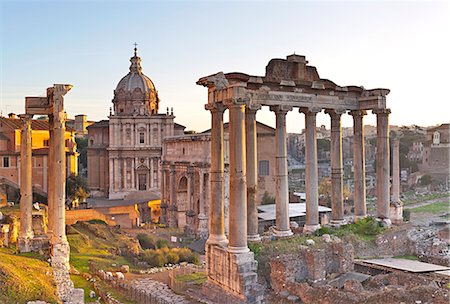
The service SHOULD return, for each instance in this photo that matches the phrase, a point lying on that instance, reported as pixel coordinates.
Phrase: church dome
(135, 93)
(135, 78)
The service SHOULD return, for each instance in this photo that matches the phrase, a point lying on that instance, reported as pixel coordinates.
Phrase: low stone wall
(393, 242)
(73, 216)
(312, 264)
(144, 291)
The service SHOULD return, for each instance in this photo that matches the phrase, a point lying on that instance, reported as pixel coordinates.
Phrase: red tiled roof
(36, 124)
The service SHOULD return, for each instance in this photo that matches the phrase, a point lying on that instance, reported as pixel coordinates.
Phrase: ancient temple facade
(124, 153)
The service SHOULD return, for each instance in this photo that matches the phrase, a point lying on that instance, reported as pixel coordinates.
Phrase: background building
(124, 152)
(10, 128)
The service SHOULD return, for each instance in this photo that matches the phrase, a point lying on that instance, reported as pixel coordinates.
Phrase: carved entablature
(293, 83)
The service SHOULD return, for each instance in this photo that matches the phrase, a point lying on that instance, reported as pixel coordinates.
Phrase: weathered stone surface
(310, 264)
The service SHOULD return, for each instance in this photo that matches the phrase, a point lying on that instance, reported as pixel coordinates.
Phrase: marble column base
(310, 228)
(254, 238)
(338, 223)
(24, 244)
(359, 217)
(385, 222)
(232, 249)
(217, 239)
(282, 233)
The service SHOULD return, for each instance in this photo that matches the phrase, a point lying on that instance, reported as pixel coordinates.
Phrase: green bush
(406, 215)
(194, 258)
(154, 258)
(97, 221)
(172, 257)
(147, 241)
(183, 253)
(323, 230)
(367, 226)
(162, 243)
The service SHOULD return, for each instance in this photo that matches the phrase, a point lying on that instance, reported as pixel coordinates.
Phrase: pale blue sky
(403, 46)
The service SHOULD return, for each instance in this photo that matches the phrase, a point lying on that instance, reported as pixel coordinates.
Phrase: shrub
(194, 258)
(147, 241)
(172, 257)
(323, 230)
(183, 253)
(154, 258)
(367, 226)
(162, 243)
(406, 215)
(97, 221)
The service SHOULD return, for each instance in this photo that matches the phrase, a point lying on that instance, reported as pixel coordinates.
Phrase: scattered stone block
(310, 242)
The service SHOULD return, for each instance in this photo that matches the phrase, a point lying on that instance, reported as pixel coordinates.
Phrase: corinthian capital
(281, 109)
(215, 107)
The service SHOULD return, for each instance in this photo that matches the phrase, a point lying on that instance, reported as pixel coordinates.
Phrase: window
(6, 162)
(263, 168)
(141, 137)
(45, 142)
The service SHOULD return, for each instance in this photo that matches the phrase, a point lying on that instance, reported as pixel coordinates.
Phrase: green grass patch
(25, 278)
(407, 257)
(435, 208)
(80, 282)
(411, 198)
(197, 278)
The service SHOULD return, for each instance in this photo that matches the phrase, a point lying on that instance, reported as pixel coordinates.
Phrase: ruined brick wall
(309, 263)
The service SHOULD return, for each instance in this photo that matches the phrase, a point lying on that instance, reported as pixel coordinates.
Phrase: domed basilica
(124, 152)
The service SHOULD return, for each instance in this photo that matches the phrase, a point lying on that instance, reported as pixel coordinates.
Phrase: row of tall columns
(243, 160)
(26, 186)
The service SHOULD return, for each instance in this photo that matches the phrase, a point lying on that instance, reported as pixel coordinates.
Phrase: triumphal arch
(287, 85)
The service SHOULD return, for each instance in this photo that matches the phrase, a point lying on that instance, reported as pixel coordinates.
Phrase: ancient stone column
(359, 170)
(190, 213)
(50, 186)
(202, 230)
(173, 221)
(216, 208)
(26, 185)
(238, 187)
(252, 173)
(382, 158)
(59, 164)
(281, 178)
(337, 199)
(396, 170)
(396, 206)
(111, 175)
(163, 205)
(311, 178)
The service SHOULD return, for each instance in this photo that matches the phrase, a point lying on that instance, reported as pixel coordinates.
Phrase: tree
(325, 190)
(426, 180)
(82, 144)
(76, 190)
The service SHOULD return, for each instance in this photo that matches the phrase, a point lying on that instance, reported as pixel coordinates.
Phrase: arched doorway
(142, 178)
